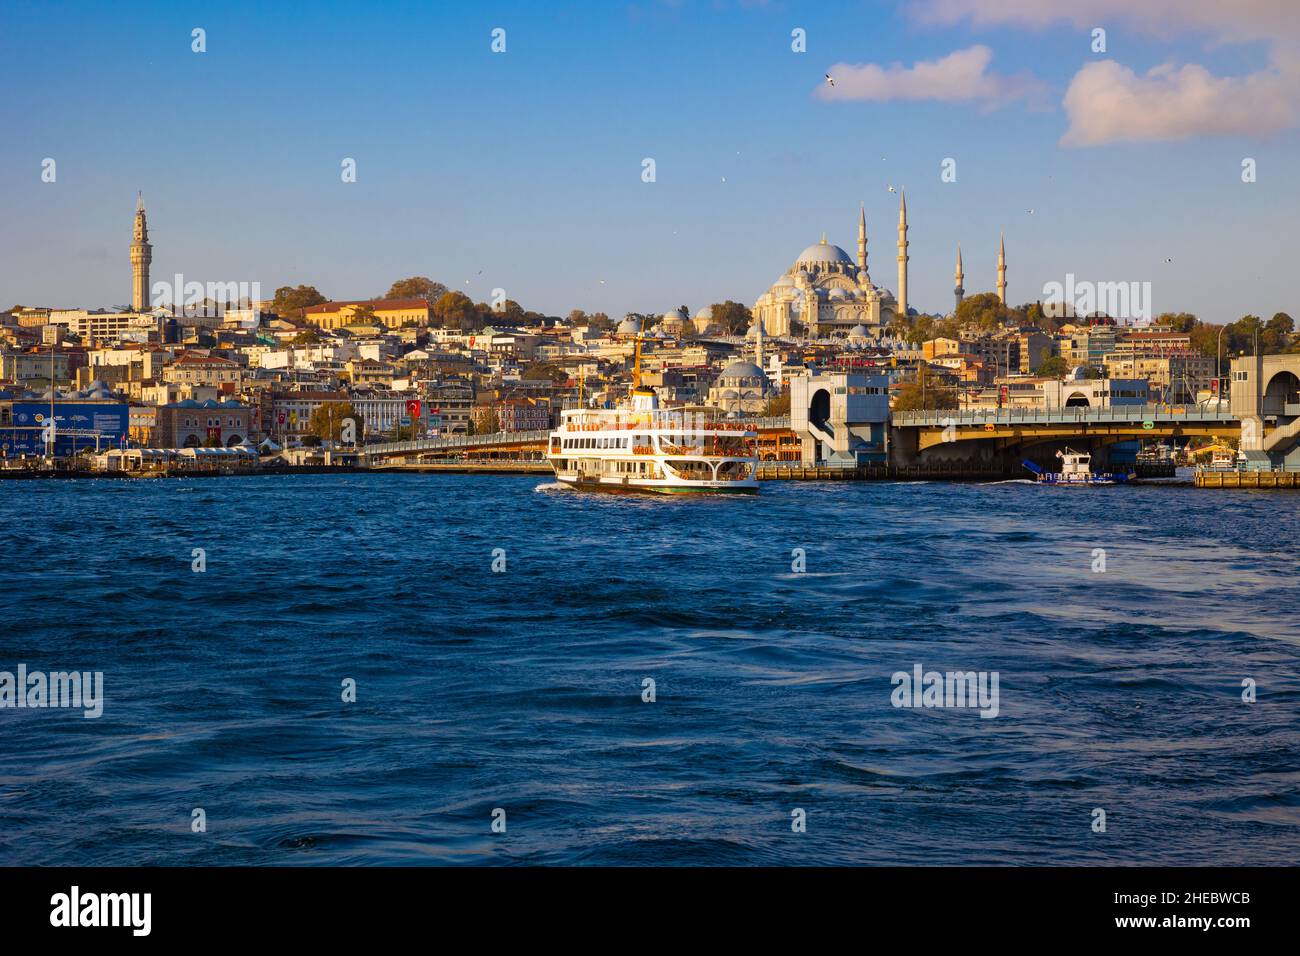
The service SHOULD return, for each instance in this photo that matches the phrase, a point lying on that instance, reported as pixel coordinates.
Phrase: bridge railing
(516, 438)
(1031, 416)
(457, 441)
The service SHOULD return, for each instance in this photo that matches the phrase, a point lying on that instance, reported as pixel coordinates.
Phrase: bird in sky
(830, 79)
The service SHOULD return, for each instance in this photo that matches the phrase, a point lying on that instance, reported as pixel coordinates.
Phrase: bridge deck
(944, 418)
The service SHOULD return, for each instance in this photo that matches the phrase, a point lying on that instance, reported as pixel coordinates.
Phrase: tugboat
(1076, 469)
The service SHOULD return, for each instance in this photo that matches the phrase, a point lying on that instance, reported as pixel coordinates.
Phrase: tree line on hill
(450, 309)
(984, 313)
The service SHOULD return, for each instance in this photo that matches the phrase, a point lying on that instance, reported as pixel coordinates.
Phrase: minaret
(902, 253)
(862, 238)
(141, 256)
(1002, 270)
(957, 278)
(758, 343)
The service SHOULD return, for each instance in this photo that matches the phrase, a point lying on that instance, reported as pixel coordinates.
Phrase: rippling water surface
(522, 689)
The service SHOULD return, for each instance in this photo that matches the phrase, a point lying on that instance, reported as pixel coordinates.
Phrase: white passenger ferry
(650, 449)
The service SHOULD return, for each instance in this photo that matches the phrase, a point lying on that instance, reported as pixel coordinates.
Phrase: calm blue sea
(522, 689)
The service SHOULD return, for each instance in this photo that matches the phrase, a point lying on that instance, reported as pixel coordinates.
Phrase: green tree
(1178, 321)
(291, 301)
(306, 337)
(983, 311)
(1037, 316)
(734, 318)
(417, 287)
(778, 405)
(1205, 339)
(327, 420)
(1241, 334)
(455, 310)
(925, 393)
(484, 421)
(1054, 366)
(1276, 336)
(364, 315)
(508, 312)
(921, 330)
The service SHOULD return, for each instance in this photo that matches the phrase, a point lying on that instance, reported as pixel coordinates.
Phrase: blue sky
(522, 170)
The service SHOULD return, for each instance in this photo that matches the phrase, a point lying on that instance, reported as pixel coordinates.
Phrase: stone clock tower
(141, 256)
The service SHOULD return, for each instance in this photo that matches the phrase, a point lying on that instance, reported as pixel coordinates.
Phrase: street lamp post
(49, 445)
(1218, 367)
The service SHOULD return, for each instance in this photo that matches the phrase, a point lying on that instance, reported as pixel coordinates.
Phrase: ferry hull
(632, 488)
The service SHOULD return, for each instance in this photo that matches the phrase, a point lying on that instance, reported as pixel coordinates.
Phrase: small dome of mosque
(705, 313)
(628, 327)
(859, 331)
(740, 369)
(837, 293)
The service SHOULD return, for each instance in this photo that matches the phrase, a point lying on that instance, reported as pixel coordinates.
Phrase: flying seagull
(830, 79)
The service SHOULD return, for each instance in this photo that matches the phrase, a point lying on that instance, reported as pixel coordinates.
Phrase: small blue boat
(1076, 469)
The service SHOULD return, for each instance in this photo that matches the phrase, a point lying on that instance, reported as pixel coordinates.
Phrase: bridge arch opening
(1283, 389)
(819, 411)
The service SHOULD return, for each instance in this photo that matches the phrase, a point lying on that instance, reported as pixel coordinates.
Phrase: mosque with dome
(826, 291)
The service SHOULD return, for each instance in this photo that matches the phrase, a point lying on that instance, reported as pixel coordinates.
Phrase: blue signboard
(79, 425)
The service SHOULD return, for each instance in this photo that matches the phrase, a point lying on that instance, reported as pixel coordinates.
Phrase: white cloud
(959, 77)
(1225, 20)
(1108, 103)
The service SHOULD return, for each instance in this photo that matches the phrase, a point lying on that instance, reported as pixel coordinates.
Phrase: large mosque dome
(822, 254)
(827, 290)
